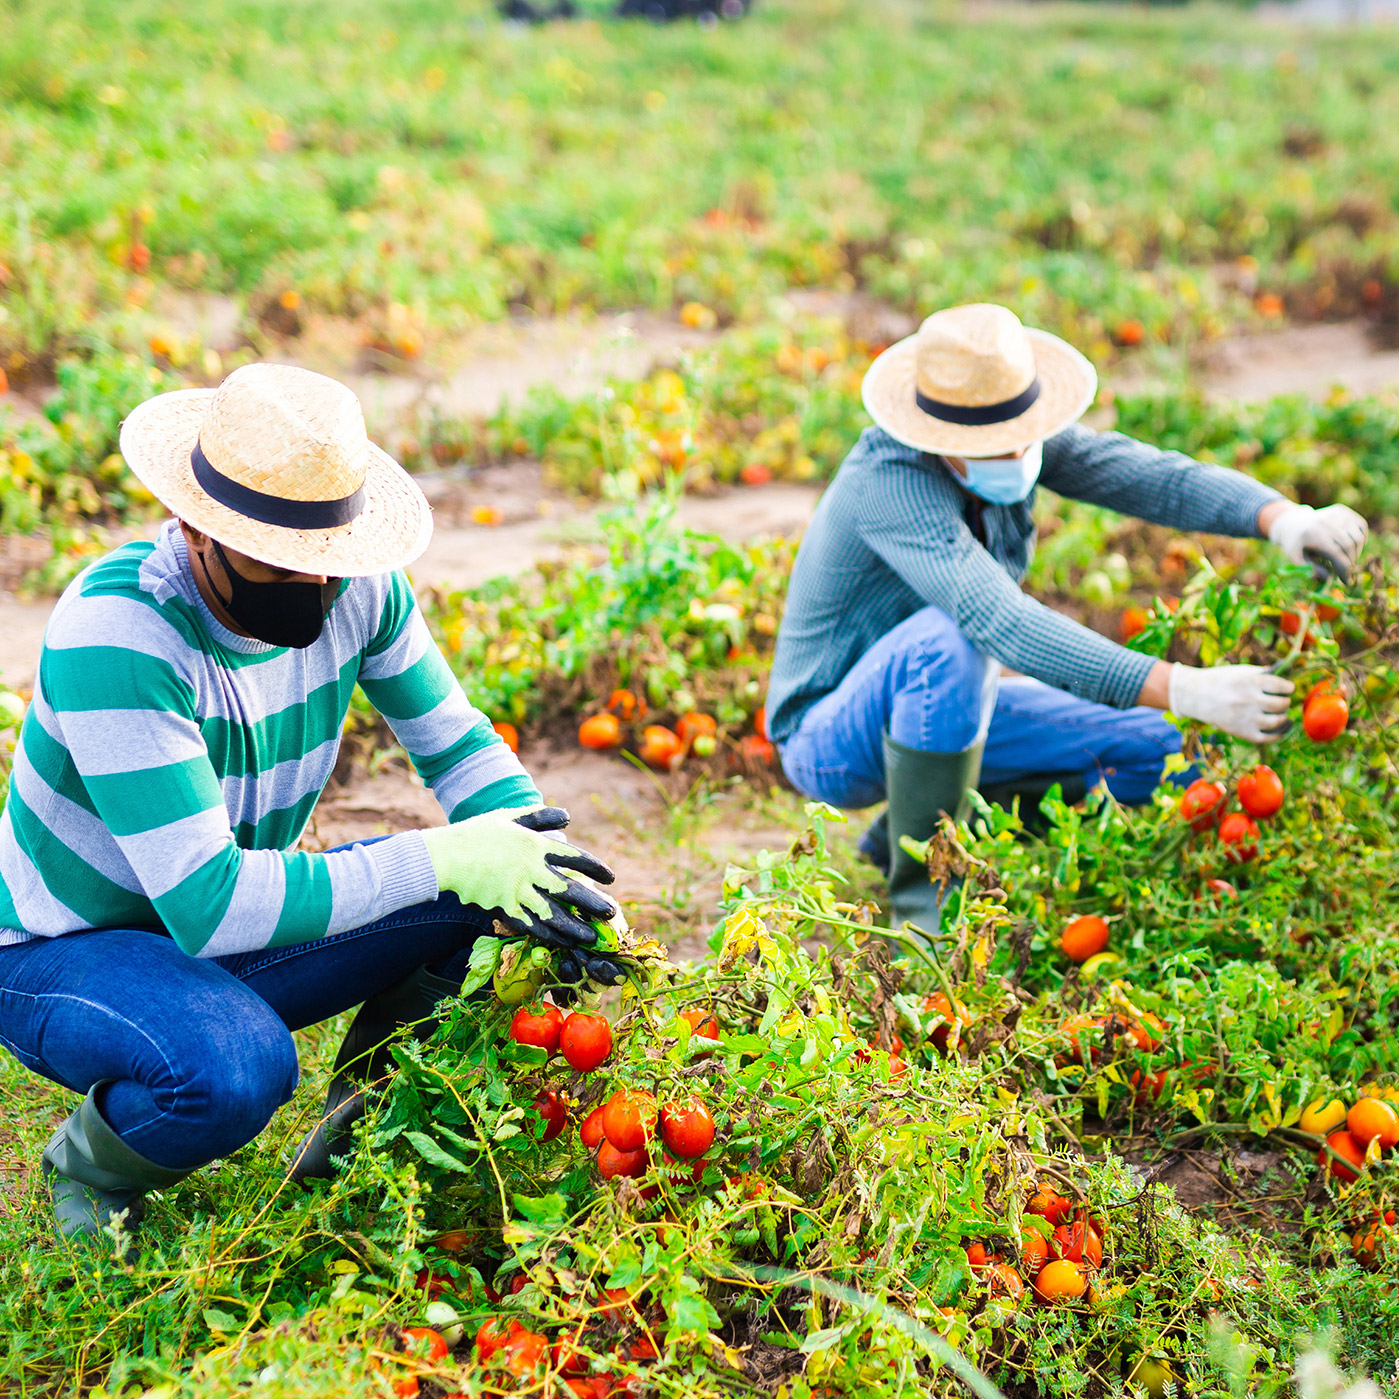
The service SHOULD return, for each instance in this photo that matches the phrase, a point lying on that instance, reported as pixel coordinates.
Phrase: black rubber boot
(94, 1176)
(363, 1064)
(922, 788)
(1032, 790)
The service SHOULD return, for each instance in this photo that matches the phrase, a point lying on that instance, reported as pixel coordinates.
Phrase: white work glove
(1247, 701)
(1335, 533)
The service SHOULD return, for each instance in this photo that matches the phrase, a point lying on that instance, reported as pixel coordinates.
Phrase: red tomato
(1348, 1149)
(979, 1257)
(629, 1119)
(455, 1240)
(940, 1003)
(1201, 803)
(551, 1113)
(525, 1352)
(702, 1024)
(1080, 1243)
(425, 1343)
(612, 1163)
(1239, 836)
(494, 1335)
(567, 1360)
(428, 1281)
(1219, 889)
(688, 1130)
(1324, 717)
(1291, 624)
(591, 1133)
(405, 1388)
(1260, 792)
(509, 734)
(537, 1024)
(1049, 1204)
(585, 1040)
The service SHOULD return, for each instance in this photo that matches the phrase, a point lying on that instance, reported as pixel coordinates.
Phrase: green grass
(1085, 166)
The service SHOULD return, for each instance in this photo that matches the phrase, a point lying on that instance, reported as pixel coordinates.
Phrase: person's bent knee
(236, 1094)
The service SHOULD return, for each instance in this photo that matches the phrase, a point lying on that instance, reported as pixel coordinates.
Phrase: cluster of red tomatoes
(512, 1358)
(1061, 1249)
(664, 748)
(623, 1129)
(584, 1040)
(1260, 794)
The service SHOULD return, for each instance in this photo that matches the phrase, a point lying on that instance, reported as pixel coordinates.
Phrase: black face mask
(281, 614)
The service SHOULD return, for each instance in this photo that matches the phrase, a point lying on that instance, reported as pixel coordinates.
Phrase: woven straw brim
(391, 531)
(1067, 385)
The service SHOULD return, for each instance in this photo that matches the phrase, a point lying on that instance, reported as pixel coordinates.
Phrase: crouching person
(160, 936)
(905, 598)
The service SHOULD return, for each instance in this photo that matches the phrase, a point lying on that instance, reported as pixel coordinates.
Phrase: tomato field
(1130, 1123)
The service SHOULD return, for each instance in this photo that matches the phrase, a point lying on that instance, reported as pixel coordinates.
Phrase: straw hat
(276, 464)
(974, 382)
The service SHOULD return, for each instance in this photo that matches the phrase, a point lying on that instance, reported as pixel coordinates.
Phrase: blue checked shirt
(895, 532)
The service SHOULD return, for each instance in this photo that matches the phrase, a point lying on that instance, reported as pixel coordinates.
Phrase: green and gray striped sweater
(167, 766)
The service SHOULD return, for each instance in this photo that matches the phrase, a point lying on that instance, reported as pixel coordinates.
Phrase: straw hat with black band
(276, 463)
(974, 382)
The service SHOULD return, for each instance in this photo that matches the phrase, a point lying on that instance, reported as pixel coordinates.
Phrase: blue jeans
(196, 1054)
(927, 686)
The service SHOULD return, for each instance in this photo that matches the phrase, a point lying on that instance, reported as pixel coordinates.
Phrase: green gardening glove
(506, 863)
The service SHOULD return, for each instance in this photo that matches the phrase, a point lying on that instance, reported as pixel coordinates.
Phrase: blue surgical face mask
(1003, 480)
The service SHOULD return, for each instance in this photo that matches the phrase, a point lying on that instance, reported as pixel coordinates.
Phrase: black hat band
(273, 509)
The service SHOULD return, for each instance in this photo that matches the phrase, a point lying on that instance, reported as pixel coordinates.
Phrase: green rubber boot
(922, 787)
(94, 1176)
(363, 1064)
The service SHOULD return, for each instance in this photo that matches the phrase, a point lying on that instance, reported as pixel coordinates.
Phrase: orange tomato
(1372, 1119)
(1084, 937)
(1003, 1281)
(1132, 623)
(600, 731)
(1061, 1280)
(1034, 1252)
(625, 705)
(661, 748)
(760, 722)
(690, 726)
(509, 733)
(1129, 333)
(939, 1002)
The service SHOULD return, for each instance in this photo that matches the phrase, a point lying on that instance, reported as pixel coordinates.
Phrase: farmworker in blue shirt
(905, 604)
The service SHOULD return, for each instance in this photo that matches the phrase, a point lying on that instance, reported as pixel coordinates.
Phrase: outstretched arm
(1166, 488)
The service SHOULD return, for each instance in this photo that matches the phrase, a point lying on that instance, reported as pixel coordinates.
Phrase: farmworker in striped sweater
(905, 601)
(160, 935)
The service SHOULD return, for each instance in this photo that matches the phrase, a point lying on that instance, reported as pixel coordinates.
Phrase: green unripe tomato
(1152, 1373)
(518, 978)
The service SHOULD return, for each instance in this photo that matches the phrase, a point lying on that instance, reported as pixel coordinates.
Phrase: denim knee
(233, 1094)
(944, 688)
